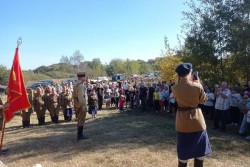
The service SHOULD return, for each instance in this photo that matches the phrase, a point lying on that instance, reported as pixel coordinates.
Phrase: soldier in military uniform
(2, 107)
(67, 105)
(27, 112)
(53, 107)
(39, 106)
(192, 138)
(61, 102)
(46, 99)
(80, 102)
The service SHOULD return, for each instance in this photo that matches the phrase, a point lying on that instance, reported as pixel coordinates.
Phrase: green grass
(116, 139)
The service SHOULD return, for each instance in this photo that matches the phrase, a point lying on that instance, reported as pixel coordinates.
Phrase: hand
(6, 105)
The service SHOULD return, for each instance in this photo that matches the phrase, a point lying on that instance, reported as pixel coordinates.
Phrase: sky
(105, 29)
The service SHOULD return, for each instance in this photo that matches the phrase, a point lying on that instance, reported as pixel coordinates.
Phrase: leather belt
(186, 108)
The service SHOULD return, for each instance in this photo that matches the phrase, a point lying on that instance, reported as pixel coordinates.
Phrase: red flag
(17, 96)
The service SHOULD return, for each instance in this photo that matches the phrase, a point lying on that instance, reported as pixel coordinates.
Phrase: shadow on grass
(119, 131)
(127, 131)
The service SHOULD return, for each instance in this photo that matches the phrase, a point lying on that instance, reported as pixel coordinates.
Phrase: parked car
(2, 88)
(105, 79)
(73, 80)
(51, 82)
(98, 79)
(118, 77)
(151, 75)
(37, 84)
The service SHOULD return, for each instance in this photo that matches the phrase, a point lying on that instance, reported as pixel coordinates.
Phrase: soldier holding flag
(16, 97)
(2, 107)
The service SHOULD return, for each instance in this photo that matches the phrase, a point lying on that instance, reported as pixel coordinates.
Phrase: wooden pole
(3, 129)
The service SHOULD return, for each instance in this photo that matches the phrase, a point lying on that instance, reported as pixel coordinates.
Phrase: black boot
(181, 164)
(80, 135)
(56, 119)
(28, 124)
(52, 120)
(70, 118)
(198, 163)
(66, 117)
(24, 124)
(42, 120)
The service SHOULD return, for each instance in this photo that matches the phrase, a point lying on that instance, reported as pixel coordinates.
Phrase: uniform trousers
(81, 115)
(54, 111)
(40, 113)
(26, 116)
(221, 116)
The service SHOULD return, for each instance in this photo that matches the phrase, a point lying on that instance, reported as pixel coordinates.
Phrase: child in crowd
(112, 96)
(172, 104)
(107, 100)
(121, 102)
(162, 99)
(156, 100)
(93, 102)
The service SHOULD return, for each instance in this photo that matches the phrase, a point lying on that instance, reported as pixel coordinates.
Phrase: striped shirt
(221, 103)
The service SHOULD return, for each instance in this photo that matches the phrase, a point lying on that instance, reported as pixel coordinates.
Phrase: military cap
(80, 74)
(183, 69)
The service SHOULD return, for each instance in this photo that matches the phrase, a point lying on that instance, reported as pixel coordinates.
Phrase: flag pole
(3, 129)
(5, 150)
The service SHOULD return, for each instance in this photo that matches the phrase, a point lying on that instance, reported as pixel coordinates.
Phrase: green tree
(167, 66)
(217, 30)
(4, 74)
(117, 66)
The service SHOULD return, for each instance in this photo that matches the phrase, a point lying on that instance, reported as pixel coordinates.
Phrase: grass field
(128, 139)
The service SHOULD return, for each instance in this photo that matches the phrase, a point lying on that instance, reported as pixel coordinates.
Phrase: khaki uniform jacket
(38, 103)
(60, 99)
(46, 99)
(67, 101)
(80, 95)
(189, 94)
(29, 110)
(53, 102)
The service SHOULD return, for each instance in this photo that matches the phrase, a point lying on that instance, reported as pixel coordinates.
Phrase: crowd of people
(226, 104)
(152, 98)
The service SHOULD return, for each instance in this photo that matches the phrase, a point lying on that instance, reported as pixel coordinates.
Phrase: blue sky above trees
(106, 29)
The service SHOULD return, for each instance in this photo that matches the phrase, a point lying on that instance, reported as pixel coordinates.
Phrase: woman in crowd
(209, 104)
(93, 102)
(234, 110)
(172, 104)
(244, 110)
(132, 97)
(156, 100)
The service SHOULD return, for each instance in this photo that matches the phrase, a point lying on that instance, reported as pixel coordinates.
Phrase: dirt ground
(129, 139)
